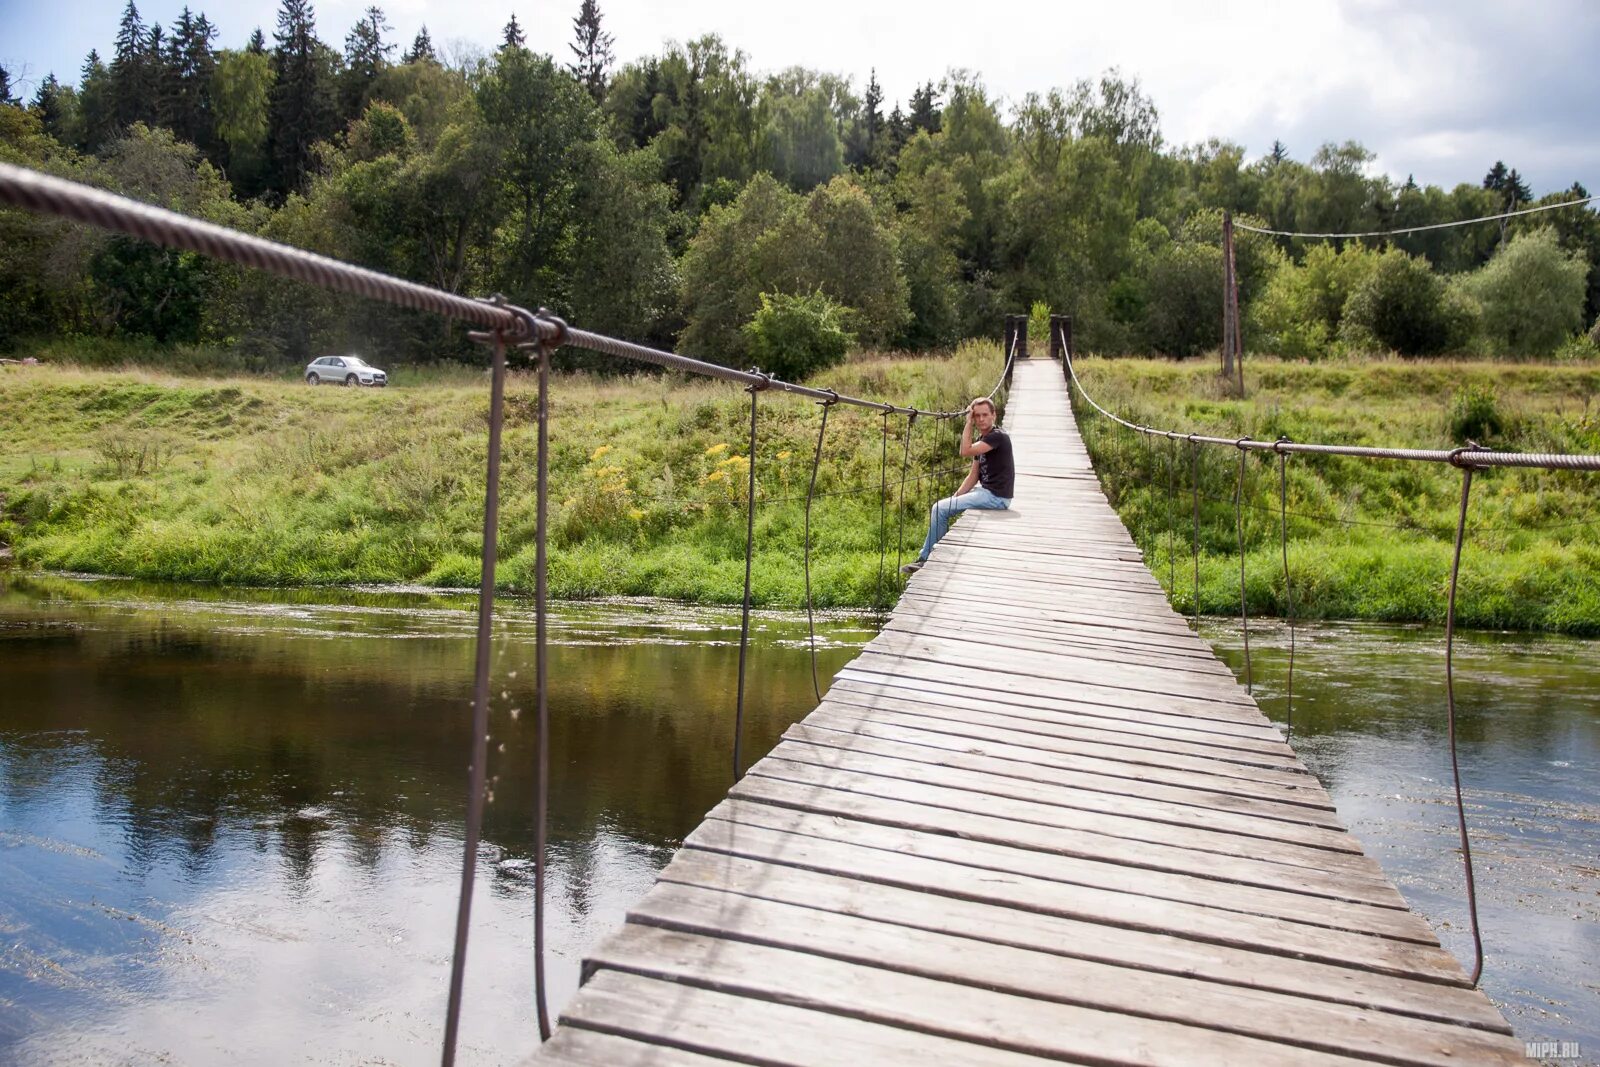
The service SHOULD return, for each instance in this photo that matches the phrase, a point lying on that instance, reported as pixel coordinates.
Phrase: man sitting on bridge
(993, 474)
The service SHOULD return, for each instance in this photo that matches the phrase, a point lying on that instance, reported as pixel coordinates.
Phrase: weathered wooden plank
(1163, 953)
(1282, 924)
(589, 1048)
(1052, 978)
(982, 1017)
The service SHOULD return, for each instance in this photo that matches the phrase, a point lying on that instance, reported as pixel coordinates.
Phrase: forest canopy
(671, 199)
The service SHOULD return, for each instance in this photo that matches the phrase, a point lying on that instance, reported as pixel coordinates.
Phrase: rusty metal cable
(1478, 458)
(1288, 589)
(1450, 703)
(478, 751)
(1244, 606)
(749, 558)
(900, 504)
(541, 595)
(811, 619)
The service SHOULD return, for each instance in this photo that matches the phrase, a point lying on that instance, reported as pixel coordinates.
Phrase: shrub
(1402, 305)
(1474, 414)
(795, 336)
(1532, 294)
(1039, 326)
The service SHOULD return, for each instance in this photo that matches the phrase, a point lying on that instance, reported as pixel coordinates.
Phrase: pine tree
(872, 120)
(258, 42)
(421, 49)
(301, 107)
(925, 114)
(593, 51)
(513, 34)
(135, 79)
(46, 104)
(365, 58)
(1279, 153)
(187, 69)
(5, 87)
(96, 104)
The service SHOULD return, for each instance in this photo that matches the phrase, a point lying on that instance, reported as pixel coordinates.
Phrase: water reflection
(230, 820)
(1370, 722)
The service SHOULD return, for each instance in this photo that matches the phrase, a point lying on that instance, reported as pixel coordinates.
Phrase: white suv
(344, 370)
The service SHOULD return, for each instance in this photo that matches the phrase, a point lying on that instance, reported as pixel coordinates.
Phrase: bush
(1403, 306)
(1474, 415)
(795, 336)
(1532, 294)
(1183, 313)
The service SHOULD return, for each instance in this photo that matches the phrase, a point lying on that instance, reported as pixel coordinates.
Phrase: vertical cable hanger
(749, 555)
(1244, 607)
(900, 505)
(1450, 704)
(1288, 589)
(811, 620)
(1194, 478)
(541, 593)
(478, 751)
(883, 509)
(1172, 473)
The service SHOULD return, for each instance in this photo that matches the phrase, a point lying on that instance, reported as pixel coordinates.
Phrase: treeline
(686, 199)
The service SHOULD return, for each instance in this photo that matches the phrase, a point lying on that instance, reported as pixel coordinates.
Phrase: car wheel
(349, 379)
(312, 379)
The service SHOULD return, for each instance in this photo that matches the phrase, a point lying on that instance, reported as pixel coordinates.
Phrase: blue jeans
(951, 506)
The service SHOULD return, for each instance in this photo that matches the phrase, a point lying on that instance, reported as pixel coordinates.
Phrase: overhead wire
(1417, 229)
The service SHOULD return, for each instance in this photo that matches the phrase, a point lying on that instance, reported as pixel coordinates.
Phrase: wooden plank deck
(1035, 820)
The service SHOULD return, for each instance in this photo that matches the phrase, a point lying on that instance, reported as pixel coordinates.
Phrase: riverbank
(257, 482)
(1368, 540)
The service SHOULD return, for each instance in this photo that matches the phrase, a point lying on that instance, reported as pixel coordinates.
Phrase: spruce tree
(46, 104)
(925, 114)
(258, 42)
(96, 104)
(365, 58)
(513, 34)
(134, 76)
(187, 68)
(871, 121)
(5, 87)
(301, 107)
(592, 49)
(421, 49)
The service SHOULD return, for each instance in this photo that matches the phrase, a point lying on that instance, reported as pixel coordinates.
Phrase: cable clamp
(1470, 447)
(764, 383)
(1240, 443)
(833, 398)
(546, 330)
(1283, 439)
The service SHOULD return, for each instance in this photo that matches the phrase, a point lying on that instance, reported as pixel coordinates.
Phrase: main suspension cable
(1418, 229)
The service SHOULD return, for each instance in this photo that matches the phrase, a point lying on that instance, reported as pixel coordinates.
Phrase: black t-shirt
(996, 472)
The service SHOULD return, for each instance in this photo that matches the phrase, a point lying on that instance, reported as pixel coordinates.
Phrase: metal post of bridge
(1022, 337)
(1009, 332)
(1055, 336)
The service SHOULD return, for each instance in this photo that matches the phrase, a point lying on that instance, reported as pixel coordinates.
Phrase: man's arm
(969, 447)
(969, 481)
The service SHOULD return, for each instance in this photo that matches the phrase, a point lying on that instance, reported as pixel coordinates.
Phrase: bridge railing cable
(501, 325)
(1399, 231)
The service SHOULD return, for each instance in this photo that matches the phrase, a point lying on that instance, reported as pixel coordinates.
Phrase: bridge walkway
(1035, 820)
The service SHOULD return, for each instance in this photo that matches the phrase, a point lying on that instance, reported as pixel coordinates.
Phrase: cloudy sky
(1437, 88)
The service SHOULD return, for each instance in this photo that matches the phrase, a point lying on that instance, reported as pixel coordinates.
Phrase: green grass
(1367, 539)
(253, 481)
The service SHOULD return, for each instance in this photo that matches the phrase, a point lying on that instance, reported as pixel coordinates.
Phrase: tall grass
(260, 482)
(1367, 539)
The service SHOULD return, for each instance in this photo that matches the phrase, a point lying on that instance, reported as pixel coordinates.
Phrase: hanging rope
(1194, 477)
(1288, 589)
(883, 510)
(811, 621)
(749, 556)
(1244, 608)
(1450, 703)
(1419, 229)
(478, 751)
(900, 504)
(541, 671)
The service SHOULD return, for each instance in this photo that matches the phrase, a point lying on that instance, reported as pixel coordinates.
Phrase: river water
(231, 820)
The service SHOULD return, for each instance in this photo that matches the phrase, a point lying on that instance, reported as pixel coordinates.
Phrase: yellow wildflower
(597, 453)
(636, 514)
(785, 454)
(716, 476)
(714, 449)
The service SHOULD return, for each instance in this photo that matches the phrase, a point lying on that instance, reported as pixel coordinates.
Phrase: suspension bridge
(1034, 820)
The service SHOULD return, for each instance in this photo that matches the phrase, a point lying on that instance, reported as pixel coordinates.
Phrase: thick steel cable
(478, 751)
(883, 510)
(1244, 606)
(1480, 458)
(749, 557)
(1288, 589)
(900, 503)
(48, 195)
(1194, 477)
(1419, 229)
(541, 589)
(1450, 701)
(811, 619)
